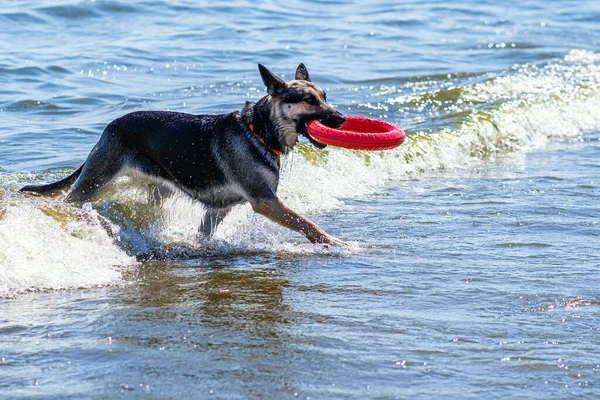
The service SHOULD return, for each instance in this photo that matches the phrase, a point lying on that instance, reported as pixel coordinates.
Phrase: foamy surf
(170, 229)
(45, 244)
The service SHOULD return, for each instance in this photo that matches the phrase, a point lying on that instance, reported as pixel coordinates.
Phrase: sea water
(472, 266)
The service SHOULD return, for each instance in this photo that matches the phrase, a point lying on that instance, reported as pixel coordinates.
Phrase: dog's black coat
(204, 153)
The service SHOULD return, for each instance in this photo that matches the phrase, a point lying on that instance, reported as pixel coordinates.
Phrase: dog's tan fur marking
(278, 212)
(288, 113)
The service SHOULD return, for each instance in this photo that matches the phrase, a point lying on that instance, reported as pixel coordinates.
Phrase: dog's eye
(312, 100)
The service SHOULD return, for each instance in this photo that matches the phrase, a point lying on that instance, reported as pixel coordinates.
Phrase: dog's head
(296, 103)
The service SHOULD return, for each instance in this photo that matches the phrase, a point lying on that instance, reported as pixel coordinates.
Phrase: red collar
(251, 126)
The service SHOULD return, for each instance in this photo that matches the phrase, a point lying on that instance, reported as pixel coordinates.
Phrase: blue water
(471, 270)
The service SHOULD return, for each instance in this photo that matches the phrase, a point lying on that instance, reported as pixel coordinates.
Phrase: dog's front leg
(276, 211)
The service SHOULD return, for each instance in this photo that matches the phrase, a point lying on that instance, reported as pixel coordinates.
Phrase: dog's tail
(52, 188)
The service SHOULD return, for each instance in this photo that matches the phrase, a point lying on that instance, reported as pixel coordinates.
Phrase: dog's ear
(302, 73)
(274, 84)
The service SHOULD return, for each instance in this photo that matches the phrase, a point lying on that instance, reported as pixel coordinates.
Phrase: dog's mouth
(332, 122)
(304, 132)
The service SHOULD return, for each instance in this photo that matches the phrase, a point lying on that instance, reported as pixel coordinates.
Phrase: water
(472, 265)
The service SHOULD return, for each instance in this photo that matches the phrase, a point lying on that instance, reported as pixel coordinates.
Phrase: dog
(219, 160)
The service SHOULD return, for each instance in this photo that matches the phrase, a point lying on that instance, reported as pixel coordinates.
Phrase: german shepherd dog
(219, 160)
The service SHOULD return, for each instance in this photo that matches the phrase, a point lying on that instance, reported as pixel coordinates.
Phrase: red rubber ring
(359, 133)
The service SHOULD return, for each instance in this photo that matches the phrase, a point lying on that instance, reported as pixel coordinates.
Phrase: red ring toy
(359, 133)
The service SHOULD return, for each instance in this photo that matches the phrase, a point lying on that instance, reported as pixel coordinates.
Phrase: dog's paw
(332, 241)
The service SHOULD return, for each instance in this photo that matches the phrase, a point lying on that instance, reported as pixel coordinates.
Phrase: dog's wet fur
(219, 160)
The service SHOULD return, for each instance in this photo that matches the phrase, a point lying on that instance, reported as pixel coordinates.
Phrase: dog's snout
(340, 119)
(335, 120)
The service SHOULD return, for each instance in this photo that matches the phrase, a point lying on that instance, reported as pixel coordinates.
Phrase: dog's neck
(259, 116)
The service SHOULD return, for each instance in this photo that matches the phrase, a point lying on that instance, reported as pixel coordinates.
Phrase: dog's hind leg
(212, 218)
(103, 163)
(158, 192)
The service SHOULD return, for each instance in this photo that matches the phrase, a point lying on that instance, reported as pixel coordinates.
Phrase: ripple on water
(519, 244)
(566, 304)
(74, 12)
(32, 105)
(111, 7)
(12, 329)
(20, 18)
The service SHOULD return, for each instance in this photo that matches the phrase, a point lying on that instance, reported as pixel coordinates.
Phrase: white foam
(582, 57)
(37, 252)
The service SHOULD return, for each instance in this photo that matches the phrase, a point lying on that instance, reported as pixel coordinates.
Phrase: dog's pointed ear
(274, 84)
(302, 73)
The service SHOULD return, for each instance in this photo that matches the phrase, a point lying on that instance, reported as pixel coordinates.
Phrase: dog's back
(214, 158)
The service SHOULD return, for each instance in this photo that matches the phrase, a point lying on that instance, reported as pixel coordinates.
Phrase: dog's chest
(220, 196)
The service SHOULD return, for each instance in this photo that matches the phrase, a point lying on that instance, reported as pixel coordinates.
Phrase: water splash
(45, 245)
